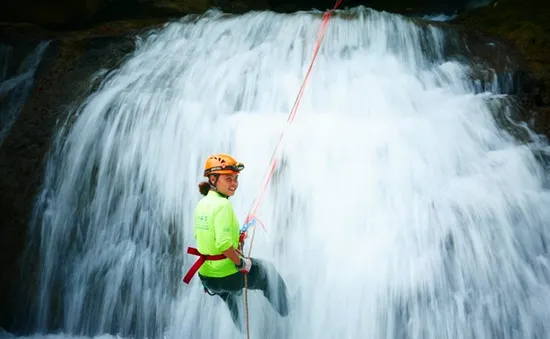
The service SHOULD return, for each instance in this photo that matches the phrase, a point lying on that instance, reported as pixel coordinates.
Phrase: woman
(221, 266)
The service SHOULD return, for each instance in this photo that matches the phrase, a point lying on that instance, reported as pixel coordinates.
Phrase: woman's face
(227, 183)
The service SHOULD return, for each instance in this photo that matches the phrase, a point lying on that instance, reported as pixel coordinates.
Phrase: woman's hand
(245, 266)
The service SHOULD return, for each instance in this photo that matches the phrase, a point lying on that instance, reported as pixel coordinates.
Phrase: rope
(251, 217)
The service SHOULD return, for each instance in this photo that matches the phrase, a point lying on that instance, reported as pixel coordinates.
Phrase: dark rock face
(18, 156)
(79, 14)
(49, 12)
(71, 14)
(72, 58)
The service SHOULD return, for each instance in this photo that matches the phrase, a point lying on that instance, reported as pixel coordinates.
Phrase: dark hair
(204, 187)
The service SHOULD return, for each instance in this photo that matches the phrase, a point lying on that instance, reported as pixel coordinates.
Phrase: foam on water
(400, 209)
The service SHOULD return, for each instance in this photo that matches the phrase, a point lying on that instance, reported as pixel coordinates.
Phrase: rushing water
(401, 209)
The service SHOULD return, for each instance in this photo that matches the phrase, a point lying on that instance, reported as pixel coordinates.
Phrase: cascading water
(401, 209)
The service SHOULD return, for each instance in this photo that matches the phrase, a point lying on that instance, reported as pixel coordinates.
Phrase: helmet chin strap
(213, 186)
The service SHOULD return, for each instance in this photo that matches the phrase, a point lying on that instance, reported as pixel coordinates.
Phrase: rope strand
(273, 163)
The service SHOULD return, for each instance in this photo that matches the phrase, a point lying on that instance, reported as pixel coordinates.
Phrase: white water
(400, 210)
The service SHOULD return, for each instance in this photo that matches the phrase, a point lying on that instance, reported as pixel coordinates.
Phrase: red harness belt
(199, 262)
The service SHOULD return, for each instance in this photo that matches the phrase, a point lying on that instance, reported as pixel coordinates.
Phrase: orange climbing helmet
(221, 164)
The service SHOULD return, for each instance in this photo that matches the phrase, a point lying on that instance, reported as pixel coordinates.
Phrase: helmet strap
(213, 185)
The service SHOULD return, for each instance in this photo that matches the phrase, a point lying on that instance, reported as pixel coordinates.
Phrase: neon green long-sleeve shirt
(216, 230)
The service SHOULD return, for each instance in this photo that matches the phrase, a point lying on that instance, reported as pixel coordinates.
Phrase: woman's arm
(224, 233)
(233, 255)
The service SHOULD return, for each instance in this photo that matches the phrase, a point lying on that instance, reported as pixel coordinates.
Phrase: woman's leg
(231, 302)
(227, 289)
(265, 277)
(262, 276)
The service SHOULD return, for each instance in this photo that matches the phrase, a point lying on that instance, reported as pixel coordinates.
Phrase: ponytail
(204, 187)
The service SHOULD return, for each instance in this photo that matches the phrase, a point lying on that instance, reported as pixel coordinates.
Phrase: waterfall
(404, 206)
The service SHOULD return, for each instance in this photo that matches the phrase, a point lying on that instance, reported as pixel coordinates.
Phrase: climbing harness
(203, 257)
(251, 218)
(199, 262)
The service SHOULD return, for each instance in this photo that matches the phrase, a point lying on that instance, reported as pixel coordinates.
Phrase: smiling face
(227, 183)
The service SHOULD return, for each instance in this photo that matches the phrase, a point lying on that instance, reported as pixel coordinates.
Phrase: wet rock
(526, 25)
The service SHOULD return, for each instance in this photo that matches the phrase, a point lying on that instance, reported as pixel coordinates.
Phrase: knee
(257, 262)
(263, 265)
(267, 272)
